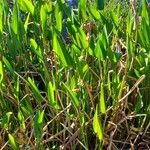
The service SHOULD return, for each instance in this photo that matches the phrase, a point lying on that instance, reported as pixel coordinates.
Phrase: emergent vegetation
(88, 90)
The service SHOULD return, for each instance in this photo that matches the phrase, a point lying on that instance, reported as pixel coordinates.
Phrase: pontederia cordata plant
(74, 74)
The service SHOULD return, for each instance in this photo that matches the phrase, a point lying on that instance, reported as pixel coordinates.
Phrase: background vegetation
(86, 90)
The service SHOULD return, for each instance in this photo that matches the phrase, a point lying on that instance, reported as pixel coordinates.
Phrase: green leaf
(38, 124)
(95, 13)
(58, 16)
(35, 90)
(100, 49)
(49, 6)
(61, 51)
(97, 125)
(82, 10)
(102, 100)
(15, 23)
(12, 142)
(5, 120)
(36, 49)
(43, 17)
(8, 65)
(82, 38)
(26, 6)
(51, 96)
(26, 23)
(145, 10)
(21, 120)
(72, 95)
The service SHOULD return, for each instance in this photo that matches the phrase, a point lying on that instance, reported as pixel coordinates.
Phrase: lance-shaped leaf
(26, 6)
(97, 125)
(43, 16)
(72, 95)
(12, 142)
(51, 96)
(61, 51)
(38, 124)
(102, 100)
(35, 90)
(58, 16)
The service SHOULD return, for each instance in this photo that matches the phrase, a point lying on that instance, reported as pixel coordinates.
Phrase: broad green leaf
(49, 6)
(5, 120)
(102, 100)
(51, 96)
(35, 90)
(21, 120)
(61, 51)
(72, 95)
(33, 44)
(95, 13)
(58, 16)
(129, 24)
(82, 4)
(82, 10)
(101, 45)
(12, 142)
(82, 38)
(26, 23)
(145, 10)
(43, 16)
(8, 65)
(97, 125)
(36, 49)
(26, 6)
(115, 19)
(15, 21)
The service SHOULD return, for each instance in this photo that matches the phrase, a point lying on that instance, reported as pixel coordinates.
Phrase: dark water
(72, 3)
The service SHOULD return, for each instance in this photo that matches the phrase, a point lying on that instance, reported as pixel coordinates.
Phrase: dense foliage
(74, 78)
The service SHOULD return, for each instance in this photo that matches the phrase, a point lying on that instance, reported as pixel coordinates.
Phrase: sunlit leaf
(97, 125)
(26, 5)
(13, 142)
(43, 16)
(51, 96)
(102, 100)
